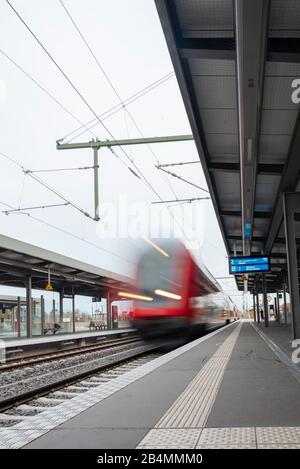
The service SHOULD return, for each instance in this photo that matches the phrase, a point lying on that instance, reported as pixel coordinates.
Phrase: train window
(160, 272)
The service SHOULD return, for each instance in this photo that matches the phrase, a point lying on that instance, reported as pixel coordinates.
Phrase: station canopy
(19, 260)
(235, 63)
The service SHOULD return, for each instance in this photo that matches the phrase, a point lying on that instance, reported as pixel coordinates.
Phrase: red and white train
(176, 294)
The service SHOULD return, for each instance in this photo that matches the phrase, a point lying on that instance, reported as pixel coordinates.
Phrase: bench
(51, 328)
(97, 325)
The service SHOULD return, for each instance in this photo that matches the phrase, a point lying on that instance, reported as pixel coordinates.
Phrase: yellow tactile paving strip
(193, 406)
(223, 438)
(183, 424)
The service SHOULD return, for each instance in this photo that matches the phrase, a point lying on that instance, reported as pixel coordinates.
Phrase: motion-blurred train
(175, 294)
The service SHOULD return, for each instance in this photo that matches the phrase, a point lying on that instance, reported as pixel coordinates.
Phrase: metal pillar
(28, 307)
(42, 314)
(73, 312)
(291, 201)
(257, 308)
(284, 303)
(278, 306)
(53, 311)
(108, 309)
(61, 306)
(123, 142)
(96, 184)
(254, 308)
(266, 312)
(19, 315)
(97, 144)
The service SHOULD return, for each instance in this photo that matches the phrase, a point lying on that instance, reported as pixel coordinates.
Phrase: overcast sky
(127, 39)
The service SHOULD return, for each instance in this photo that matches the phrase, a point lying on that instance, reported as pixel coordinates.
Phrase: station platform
(24, 346)
(228, 389)
(279, 334)
(56, 338)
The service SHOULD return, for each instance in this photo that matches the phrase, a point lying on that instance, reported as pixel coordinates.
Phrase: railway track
(104, 364)
(70, 381)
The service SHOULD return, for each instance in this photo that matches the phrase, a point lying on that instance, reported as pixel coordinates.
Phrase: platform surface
(225, 390)
(281, 334)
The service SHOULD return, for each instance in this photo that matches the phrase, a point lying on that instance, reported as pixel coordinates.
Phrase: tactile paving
(279, 446)
(193, 406)
(274, 435)
(51, 418)
(170, 438)
(223, 438)
(236, 437)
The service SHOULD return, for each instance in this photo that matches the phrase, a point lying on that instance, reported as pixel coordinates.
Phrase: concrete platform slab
(250, 397)
(21, 342)
(257, 388)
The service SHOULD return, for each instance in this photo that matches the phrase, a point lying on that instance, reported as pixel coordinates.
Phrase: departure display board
(249, 264)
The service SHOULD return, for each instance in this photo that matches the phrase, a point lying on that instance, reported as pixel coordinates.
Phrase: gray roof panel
(209, 83)
(215, 92)
(206, 18)
(212, 67)
(284, 18)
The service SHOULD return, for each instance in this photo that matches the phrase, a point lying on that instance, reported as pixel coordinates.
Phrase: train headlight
(133, 296)
(167, 294)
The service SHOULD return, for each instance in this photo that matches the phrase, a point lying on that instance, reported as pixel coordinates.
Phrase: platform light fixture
(49, 287)
(134, 296)
(167, 294)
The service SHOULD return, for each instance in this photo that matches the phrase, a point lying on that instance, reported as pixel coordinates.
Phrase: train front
(162, 281)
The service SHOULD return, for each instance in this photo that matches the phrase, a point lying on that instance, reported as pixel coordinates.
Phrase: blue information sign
(249, 264)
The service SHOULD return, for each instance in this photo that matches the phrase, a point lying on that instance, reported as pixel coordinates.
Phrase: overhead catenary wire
(61, 196)
(130, 115)
(26, 172)
(62, 230)
(36, 178)
(91, 51)
(118, 107)
(23, 209)
(113, 88)
(73, 86)
(47, 186)
(80, 168)
(183, 179)
(105, 115)
(119, 98)
(142, 177)
(50, 95)
(182, 201)
(71, 234)
(177, 164)
(78, 92)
